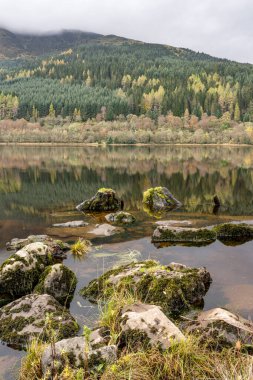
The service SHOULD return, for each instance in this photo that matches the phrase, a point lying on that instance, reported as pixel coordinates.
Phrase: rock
(20, 273)
(120, 217)
(234, 232)
(160, 198)
(176, 288)
(100, 337)
(28, 317)
(147, 325)
(16, 244)
(76, 352)
(73, 224)
(105, 230)
(173, 222)
(165, 233)
(222, 328)
(58, 281)
(104, 200)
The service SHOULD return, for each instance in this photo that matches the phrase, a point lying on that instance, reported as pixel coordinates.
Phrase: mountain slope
(14, 45)
(76, 74)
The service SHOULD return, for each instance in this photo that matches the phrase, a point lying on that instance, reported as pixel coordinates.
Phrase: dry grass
(31, 364)
(184, 361)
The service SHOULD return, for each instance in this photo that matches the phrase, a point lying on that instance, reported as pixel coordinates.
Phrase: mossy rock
(230, 232)
(176, 288)
(120, 218)
(221, 328)
(20, 273)
(158, 199)
(76, 353)
(16, 243)
(165, 233)
(35, 316)
(58, 281)
(104, 200)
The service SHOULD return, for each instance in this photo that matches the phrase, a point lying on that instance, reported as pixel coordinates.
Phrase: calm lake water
(40, 186)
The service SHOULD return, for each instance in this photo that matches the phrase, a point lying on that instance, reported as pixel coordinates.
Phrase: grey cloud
(219, 27)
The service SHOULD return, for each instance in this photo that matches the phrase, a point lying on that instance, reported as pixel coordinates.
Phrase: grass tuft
(80, 247)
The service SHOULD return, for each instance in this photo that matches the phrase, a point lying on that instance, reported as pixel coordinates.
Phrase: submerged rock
(120, 217)
(32, 316)
(16, 244)
(159, 199)
(234, 232)
(222, 328)
(105, 230)
(146, 325)
(176, 288)
(165, 233)
(58, 281)
(73, 224)
(76, 352)
(104, 200)
(20, 273)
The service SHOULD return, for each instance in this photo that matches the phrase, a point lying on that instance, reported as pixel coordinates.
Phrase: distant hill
(20, 45)
(81, 75)
(15, 45)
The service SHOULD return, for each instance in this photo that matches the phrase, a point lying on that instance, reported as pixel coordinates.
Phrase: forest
(117, 77)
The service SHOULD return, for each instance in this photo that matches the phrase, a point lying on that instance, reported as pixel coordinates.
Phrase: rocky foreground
(151, 326)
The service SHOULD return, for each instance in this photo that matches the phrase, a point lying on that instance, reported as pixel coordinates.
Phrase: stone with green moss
(234, 232)
(221, 328)
(77, 353)
(164, 233)
(143, 326)
(157, 199)
(120, 217)
(58, 281)
(176, 288)
(21, 272)
(104, 200)
(16, 243)
(35, 316)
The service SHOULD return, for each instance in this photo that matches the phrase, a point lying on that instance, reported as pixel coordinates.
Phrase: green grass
(80, 247)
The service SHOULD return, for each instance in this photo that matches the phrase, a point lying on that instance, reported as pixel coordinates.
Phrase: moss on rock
(32, 316)
(20, 273)
(104, 200)
(234, 232)
(165, 233)
(174, 288)
(159, 199)
(58, 281)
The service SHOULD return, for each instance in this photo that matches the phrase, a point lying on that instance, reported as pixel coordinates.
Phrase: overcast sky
(222, 28)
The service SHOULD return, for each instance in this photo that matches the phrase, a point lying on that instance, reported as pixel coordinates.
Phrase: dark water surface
(40, 186)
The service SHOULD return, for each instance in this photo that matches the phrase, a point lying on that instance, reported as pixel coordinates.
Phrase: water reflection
(40, 186)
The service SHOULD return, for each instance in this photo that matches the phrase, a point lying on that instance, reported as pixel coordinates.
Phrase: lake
(40, 186)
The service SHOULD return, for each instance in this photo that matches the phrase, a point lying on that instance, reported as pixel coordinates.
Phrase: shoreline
(107, 145)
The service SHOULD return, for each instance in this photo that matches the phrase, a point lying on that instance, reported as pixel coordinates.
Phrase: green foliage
(80, 247)
(108, 77)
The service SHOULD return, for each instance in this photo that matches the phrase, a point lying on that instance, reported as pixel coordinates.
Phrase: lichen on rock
(32, 316)
(104, 200)
(175, 288)
(58, 281)
(221, 328)
(20, 273)
(144, 326)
